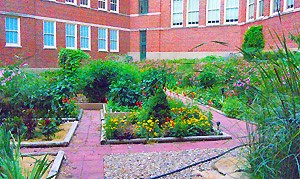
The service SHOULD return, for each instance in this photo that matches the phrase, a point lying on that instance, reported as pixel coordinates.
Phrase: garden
(258, 87)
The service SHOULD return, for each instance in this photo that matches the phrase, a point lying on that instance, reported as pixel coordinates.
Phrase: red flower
(210, 103)
(167, 119)
(173, 124)
(184, 94)
(47, 122)
(179, 83)
(156, 86)
(105, 100)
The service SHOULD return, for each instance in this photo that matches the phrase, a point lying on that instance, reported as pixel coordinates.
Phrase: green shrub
(158, 106)
(254, 39)
(232, 106)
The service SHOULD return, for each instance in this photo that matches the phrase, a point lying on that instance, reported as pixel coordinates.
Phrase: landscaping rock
(229, 165)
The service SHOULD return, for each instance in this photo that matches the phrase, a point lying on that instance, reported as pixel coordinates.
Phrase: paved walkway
(84, 156)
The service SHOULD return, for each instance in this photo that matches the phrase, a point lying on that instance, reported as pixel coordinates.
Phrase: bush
(158, 106)
(232, 106)
(254, 40)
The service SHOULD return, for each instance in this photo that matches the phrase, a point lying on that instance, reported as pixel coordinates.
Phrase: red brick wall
(161, 37)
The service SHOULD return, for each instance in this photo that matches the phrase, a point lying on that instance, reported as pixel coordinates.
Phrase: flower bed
(60, 138)
(27, 162)
(186, 124)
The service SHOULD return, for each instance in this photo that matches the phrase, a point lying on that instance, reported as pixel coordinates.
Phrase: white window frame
(272, 7)
(187, 15)
(248, 11)
(54, 43)
(172, 14)
(225, 1)
(118, 41)
(257, 9)
(75, 43)
(211, 24)
(73, 3)
(285, 6)
(89, 34)
(88, 5)
(105, 8)
(106, 40)
(118, 6)
(19, 34)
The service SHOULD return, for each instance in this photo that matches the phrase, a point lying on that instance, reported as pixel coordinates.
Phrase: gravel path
(146, 165)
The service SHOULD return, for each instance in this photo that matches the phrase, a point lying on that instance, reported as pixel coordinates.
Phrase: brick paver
(84, 156)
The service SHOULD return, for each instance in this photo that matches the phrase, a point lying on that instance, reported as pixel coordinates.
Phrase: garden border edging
(60, 155)
(63, 143)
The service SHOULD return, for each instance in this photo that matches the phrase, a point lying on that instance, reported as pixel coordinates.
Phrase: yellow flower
(155, 134)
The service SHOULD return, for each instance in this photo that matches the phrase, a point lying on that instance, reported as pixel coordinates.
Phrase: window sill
(114, 50)
(85, 6)
(215, 24)
(177, 26)
(102, 50)
(116, 12)
(102, 9)
(72, 48)
(230, 23)
(85, 49)
(50, 48)
(13, 46)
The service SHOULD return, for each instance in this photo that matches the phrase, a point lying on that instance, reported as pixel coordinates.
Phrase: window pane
(12, 30)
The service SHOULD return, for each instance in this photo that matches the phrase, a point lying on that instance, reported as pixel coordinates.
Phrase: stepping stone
(229, 165)
(208, 174)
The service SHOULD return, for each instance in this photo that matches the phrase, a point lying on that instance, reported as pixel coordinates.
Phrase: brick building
(151, 29)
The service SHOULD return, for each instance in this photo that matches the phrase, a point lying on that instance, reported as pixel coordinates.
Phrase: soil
(59, 136)
(27, 163)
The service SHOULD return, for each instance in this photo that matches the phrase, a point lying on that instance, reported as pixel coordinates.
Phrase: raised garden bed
(104, 140)
(62, 138)
(27, 162)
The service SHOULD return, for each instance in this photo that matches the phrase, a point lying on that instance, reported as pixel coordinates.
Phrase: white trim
(87, 6)
(272, 8)
(118, 41)
(54, 43)
(118, 7)
(248, 11)
(285, 6)
(63, 21)
(19, 33)
(225, 7)
(257, 9)
(106, 41)
(187, 15)
(89, 36)
(71, 3)
(212, 24)
(75, 43)
(176, 26)
(106, 4)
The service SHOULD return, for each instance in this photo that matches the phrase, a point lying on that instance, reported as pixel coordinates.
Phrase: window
(250, 10)
(114, 5)
(102, 39)
(12, 31)
(49, 34)
(289, 4)
(71, 34)
(232, 11)
(114, 44)
(193, 12)
(213, 12)
(275, 6)
(71, 1)
(177, 13)
(102, 4)
(85, 35)
(85, 3)
(143, 6)
(260, 8)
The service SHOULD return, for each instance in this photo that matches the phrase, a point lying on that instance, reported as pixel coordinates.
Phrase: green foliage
(232, 106)
(10, 160)
(158, 106)
(254, 39)
(153, 79)
(103, 79)
(275, 143)
(70, 60)
(48, 127)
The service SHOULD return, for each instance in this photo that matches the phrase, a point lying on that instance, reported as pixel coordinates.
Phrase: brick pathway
(85, 154)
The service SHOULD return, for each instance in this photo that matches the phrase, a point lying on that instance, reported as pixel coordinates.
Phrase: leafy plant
(10, 160)
(253, 40)
(232, 106)
(48, 128)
